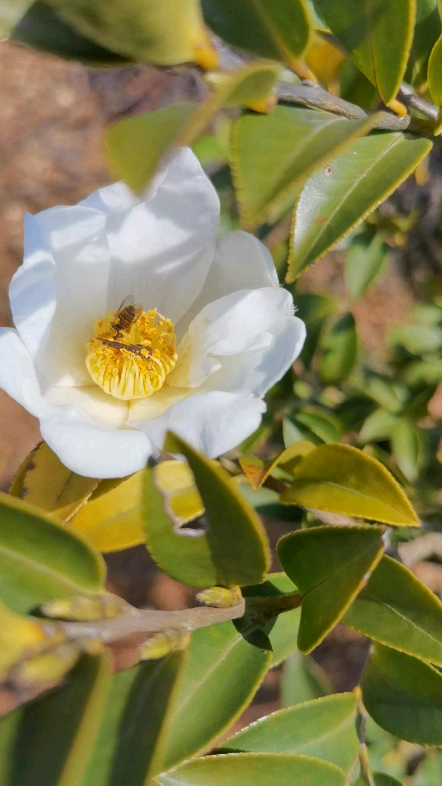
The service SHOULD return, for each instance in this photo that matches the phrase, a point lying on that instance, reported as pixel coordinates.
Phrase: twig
(413, 101)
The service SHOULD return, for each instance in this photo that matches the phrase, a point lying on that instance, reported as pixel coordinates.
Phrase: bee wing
(128, 301)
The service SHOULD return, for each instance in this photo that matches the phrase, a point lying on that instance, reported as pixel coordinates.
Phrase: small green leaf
(41, 559)
(384, 391)
(365, 31)
(133, 728)
(322, 423)
(342, 479)
(235, 537)
(363, 263)
(429, 773)
(250, 769)
(219, 657)
(282, 630)
(43, 30)
(404, 696)
(136, 145)
(302, 680)
(272, 155)
(278, 29)
(257, 471)
(329, 567)
(395, 609)
(48, 741)
(416, 339)
(324, 728)
(339, 350)
(378, 426)
(409, 447)
(314, 310)
(435, 72)
(426, 33)
(342, 194)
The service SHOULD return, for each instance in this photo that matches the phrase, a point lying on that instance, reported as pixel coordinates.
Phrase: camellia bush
(188, 387)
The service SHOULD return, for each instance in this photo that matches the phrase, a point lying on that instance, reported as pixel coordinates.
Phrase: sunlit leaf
(342, 479)
(41, 559)
(19, 637)
(257, 471)
(435, 72)
(329, 566)
(272, 155)
(339, 196)
(404, 696)
(365, 31)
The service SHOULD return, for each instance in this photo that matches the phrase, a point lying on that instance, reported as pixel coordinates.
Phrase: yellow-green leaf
(365, 29)
(342, 479)
(44, 481)
(257, 471)
(19, 637)
(272, 155)
(435, 73)
(329, 565)
(136, 145)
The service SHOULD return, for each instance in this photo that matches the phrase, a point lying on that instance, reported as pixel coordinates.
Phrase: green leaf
(278, 29)
(324, 728)
(384, 391)
(282, 630)
(339, 350)
(133, 730)
(380, 779)
(250, 769)
(234, 549)
(41, 559)
(324, 424)
(219, 657)
(429, 773)
(141, 29)
(66, 492)
(257, 471)
(302, 680)
(395, 609)
(136, 145)
(342, 479)
(435, 73)
(48, 741)
(404, 696)
(329, 567)
(313, 309)
(416, 339)
(426, 33)
(11, 12)
(43, 30)
(272, 155)
(341, 195)
(409, 447)
(365, 31)
(378, 426)
(363, 263)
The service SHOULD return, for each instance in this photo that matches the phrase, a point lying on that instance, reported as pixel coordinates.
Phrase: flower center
(132, 351)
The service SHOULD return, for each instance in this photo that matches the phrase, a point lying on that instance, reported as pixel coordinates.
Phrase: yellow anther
(132, 352)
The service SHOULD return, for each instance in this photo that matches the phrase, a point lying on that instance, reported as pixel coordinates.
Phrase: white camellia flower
(131, 319)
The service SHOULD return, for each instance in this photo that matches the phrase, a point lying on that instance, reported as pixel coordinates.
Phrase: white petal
(163, 247)
(143, 409)
(77, 238)
(94, 451)
(241, 322)
(97, 405)
(213, 422)
(240, 262)
(32, 289)
(17, 374)
(259, 370)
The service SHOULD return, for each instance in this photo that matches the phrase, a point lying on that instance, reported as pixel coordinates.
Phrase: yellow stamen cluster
(129, 358)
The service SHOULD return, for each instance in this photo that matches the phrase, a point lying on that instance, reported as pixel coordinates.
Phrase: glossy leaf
(133, 728)
(272, 155)
(49, 741)
(136, 145)
(404, 696)
(363, 263)
(435, 73)
(365, 31)
(342, 479)
(394, 608)
(329, 567)
(112, 518)
(141, 29)
(41, 559)
(339, 350)
(302, 680)
(282, 630)
(278, 29)
(218, 656)
(324, 728)
(426, 33)
(341, 195)
(257, 471)
(250, 769)
(42, 29)
(228, 555)
(63, 495)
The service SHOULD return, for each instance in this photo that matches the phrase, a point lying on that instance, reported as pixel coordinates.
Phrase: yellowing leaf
(19, 637)
(257, 471)
(342, 479)
(44, 481)
(182, 500)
